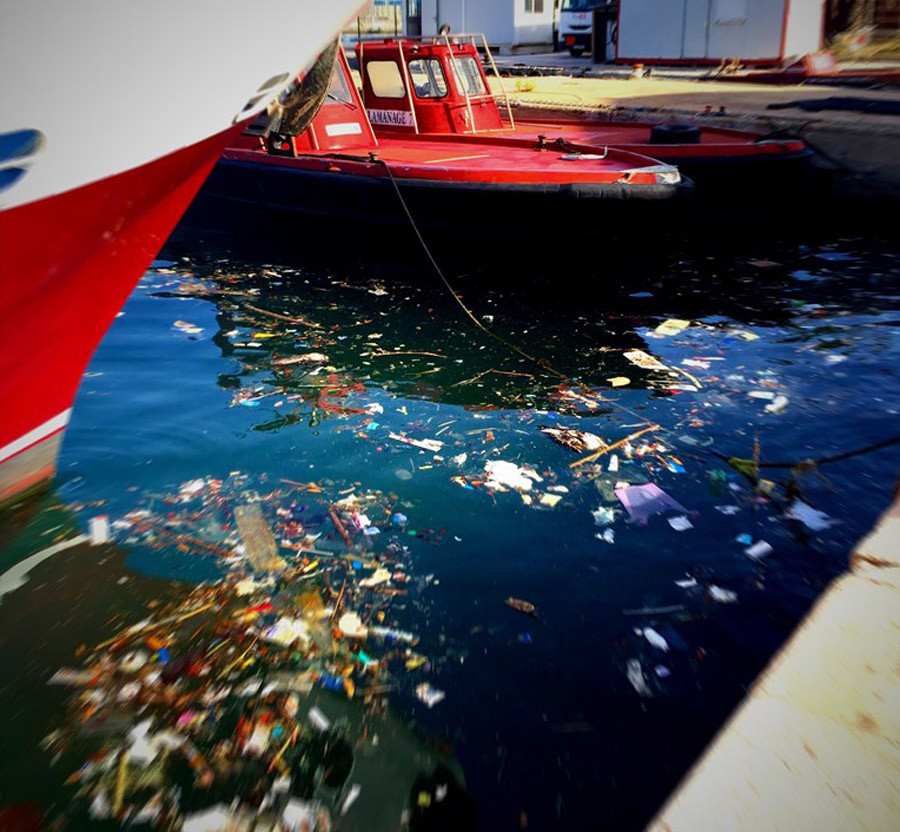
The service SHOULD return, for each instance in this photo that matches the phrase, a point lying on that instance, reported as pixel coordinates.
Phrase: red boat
(112, 115)
(817, 68)
(337, 168)
(420, 89)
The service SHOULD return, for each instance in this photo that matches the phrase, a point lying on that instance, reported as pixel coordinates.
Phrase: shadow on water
(521, 251)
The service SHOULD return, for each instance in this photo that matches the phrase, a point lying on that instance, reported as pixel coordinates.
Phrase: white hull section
(112, 85)
(41, 432)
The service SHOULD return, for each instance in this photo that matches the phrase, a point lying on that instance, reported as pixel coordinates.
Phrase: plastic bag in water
(643, 501)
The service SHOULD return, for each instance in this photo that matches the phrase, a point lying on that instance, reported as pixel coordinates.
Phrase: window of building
(427, 78)
(384, 76)
(534, 6)
(731, 11)
(471, 82)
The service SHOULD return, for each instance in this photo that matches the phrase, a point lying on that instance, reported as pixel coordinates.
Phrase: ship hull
(96, 242)
(360, 193)
(113, 115)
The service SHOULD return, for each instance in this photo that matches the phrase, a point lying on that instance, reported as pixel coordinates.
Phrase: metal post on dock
(598, 39)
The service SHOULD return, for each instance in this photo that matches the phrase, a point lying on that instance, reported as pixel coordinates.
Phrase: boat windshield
(581, 5)
(338, 90)
(471, 82)
(427, 78)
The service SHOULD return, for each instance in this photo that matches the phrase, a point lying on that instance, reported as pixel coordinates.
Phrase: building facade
(765, 32)
(508, 25)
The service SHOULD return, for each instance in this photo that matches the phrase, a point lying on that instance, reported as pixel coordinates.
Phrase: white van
(576, 21)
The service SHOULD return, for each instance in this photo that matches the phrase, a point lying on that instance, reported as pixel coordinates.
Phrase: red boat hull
(82, 252)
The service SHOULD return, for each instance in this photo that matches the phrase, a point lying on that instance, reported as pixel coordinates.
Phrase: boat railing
(463, 83)
(489, 55)
(407, 81)
(487, 51)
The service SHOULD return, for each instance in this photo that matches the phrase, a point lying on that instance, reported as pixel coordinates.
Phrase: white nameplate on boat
(348, 129)
(401, 117)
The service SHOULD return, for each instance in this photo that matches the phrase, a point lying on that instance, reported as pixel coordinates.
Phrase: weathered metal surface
(816, 745)
(29, 469)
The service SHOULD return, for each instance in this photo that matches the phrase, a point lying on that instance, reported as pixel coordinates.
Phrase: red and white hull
(113, 114)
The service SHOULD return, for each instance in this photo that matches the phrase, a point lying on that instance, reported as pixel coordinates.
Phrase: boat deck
(471, 159)
(634, 137)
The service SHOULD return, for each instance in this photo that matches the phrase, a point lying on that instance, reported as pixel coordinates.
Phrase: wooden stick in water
(121, 780)
(239, 658)
(177, 619)
(291, 320)
(337, 604)
(612, 447)
(283, 748)
(382, 353)
(339, 526)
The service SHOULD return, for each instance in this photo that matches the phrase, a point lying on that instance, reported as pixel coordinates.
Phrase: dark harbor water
(299, 385)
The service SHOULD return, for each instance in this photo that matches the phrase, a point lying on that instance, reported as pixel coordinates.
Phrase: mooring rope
(815, 463)
(543, 363)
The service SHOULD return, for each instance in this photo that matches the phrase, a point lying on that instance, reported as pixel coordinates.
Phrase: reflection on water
(308, 385)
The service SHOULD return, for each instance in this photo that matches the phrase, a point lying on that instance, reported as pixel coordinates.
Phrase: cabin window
(384, 76)
(427, 78)
(338, 90)
(534, 6)
(468, 76)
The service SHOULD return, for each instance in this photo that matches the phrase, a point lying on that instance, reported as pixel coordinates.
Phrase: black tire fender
(674, 133)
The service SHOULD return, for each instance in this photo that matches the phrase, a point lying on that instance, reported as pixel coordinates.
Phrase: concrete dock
(816, 744)
(858, 129)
